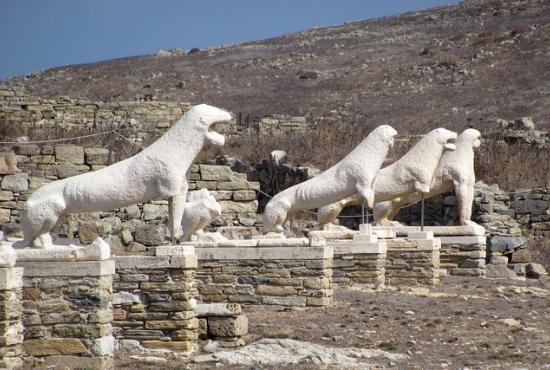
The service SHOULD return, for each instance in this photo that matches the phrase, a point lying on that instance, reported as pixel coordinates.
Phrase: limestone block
(296, 301)
(142, 262)
(228, 326)
(239, 207)
(27, 149)
(65, 170)
(233, 185)
(150, 234)
(126, 298)
(104, 346)
(56, 269)
(96, 156)
(69, 153)
(54, 346)
(244, 195)
(215, 172)
(154, 211)
(7, 256)
(99, 250)
(4, 215)
(218, 309)
(6, 195)
(8, 163)
(16, 183)
(11, 278)
(175, 250)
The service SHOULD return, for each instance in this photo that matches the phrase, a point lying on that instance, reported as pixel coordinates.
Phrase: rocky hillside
(459, 65)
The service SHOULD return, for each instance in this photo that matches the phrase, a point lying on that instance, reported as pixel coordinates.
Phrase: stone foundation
(67, 313)
(359, 263)
(413, 261)
(11, 327)
(281, 272)
(155, 299)
(463, 255)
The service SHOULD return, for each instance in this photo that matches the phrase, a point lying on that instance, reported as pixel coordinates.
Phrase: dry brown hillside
(455, 66)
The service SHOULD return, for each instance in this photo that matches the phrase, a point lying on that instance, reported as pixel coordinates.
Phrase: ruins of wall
(286, 272)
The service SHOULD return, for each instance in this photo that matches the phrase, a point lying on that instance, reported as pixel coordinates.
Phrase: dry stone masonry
(284, 272)
(155, 299)
(11, 314)
(67, 312)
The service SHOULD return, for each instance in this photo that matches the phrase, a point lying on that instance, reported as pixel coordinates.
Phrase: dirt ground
(462, 323)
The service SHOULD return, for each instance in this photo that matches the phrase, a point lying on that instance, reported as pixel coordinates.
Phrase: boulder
(535, 270)
(150, 234)
(524, 123)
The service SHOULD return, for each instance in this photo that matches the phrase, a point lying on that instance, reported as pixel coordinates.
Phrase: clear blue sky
(38, 34)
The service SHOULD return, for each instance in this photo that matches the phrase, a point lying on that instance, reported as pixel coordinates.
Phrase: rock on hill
(459, 65)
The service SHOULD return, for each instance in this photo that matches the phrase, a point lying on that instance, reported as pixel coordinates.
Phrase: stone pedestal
(67, 313)
(464, 255)
(413, 261)
(360, 260)
(155, 299)
(11, 327)
(281, 272)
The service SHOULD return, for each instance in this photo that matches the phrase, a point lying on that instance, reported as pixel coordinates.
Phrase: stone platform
(67, 311)
(280, 272)
(154, 299)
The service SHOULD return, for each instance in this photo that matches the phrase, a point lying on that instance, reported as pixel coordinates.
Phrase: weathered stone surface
(5, 195)
(218, 309)
(4, 215)
(244, 195)
(69, 153)
(8, 163)
(56, 269)
(505, 244)
(148, 234)
(154, 211)
(54, 346)
(232, 185)
(96, 156)
(65, 170)
(215, 173)
(499, 271)
(16, 183)
(531, 206)
(228, 326)
(27, 149)
(535, 270)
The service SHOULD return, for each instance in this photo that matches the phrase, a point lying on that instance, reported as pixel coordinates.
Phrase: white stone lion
(199, 211)
(352, 175)
(454, 173)
(410, 174)
(159, 171)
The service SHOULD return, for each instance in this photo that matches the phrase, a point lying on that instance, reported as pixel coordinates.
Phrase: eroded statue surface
(455, 172)
(159, 171)
(199, 211)
(352, 175)
(410, 174)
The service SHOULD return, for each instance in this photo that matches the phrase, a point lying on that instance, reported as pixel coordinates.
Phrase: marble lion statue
(455, 172)
(199, 211)
(352, 175)
(410, 174)
(159, 171)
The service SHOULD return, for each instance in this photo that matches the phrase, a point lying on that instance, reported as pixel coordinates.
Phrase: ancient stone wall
(130, 229)
(288, 272)
(412, 262)
(359, 264)
(154, 299)
(142, 118)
